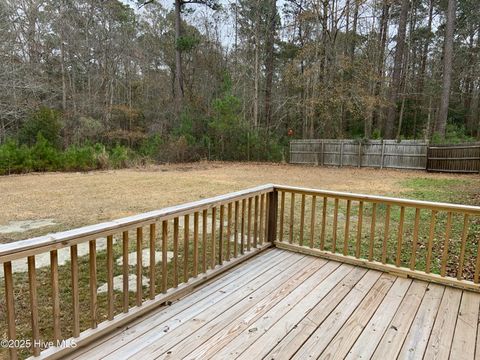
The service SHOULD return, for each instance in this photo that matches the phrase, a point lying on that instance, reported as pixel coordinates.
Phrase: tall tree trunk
(353, 34)
(441, 123)
(423, 61)
(269, 62)
(256, 84)
(178, 59)
(397, 71)
(380, 64)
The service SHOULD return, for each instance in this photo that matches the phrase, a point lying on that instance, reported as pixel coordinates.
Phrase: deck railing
(147, 260)
(437, 242)
(169, 252)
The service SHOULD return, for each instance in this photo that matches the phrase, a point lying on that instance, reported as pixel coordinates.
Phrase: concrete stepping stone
(118, 283)
(25, 225)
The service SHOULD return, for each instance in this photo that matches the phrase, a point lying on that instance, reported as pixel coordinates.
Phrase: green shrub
(45, 122)
(14, 159)
(80, 158)
(119, 157)
(44, 156)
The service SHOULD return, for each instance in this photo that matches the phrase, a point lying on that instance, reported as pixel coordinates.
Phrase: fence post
(360, 154)
(341, 153)
(272, 216)
(383, 154)
(323, 153)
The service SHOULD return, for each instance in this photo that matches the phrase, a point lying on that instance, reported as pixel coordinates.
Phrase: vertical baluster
(229, 230)
(56, 296)
(93, 282)
(242, 240)
(214, 226)
(477, 266)
(312, 220)
(32, 281)
(262, 220)
(268, 213)
(139, 294)
(195, 244)
(386, 235)
(186, 240)
(430, 241)
(292, 215)
(153, 236)
(282, 215)
(302, 219)
(443, 268)
(175, 252)
(204, 241)
(347, 228)
(164, 255)
(220, 237)
(359, 229)
(110, 299)
(75, 294)
(373, 227)
(415, 239)
(335, 222)
(125, 272)
(398, 259)
(324, 224)
(235, 230)
(462, 249)
(10, 304)
(249, 224)
(255, 223)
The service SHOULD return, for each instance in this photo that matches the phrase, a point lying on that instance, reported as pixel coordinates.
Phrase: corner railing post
(272, 216)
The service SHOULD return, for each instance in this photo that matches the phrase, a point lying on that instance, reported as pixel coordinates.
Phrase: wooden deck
(281, 304)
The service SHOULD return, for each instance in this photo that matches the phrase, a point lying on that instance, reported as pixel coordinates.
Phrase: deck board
(282, 305)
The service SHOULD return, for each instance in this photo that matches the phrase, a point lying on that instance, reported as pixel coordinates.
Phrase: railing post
(272, 216)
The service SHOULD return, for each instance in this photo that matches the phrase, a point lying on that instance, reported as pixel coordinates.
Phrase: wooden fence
(407, 154)
(463, 158)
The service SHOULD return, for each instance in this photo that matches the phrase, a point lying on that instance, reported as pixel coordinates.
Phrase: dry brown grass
(77, 199)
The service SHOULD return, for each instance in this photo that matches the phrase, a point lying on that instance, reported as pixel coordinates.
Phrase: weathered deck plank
(281, 305)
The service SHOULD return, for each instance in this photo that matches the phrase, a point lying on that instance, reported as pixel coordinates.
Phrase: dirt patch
(77, 199)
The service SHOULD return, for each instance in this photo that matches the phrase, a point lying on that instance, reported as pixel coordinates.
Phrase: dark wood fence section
(462, 158)
(405, 154)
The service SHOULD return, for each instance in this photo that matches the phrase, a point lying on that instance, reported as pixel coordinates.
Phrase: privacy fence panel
(409, 154)
(454, 158)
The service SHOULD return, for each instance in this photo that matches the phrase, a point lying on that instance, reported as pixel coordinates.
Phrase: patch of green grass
(438, 189)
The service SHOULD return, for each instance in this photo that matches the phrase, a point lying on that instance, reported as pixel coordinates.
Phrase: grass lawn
(76, 199)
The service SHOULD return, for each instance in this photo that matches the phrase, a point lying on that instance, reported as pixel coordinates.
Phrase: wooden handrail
(259, 217)
(398, 242)
(190, 269)
(473, 210)
(24, 248)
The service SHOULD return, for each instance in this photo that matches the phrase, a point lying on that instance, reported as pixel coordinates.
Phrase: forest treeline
(90, 84)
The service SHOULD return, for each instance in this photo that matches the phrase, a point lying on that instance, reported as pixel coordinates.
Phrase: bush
(14, 159)
(119, 157)
(82, 158)
(44, 122)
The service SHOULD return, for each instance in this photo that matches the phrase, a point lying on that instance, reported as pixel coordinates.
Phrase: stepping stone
(118, 283)
(25, 225)
(132, 258)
